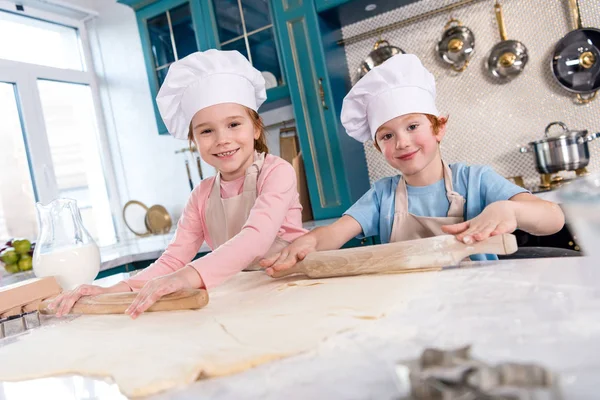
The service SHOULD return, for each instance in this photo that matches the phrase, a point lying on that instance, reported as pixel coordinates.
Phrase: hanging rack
(408, 21)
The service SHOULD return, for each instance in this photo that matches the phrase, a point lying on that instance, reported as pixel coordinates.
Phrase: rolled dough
(250, 320)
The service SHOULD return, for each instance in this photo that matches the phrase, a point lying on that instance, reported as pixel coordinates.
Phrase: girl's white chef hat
(399, 86)
(204, 79)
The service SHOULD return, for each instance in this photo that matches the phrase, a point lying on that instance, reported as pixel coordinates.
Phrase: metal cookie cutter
(18, 323)
(454, 375)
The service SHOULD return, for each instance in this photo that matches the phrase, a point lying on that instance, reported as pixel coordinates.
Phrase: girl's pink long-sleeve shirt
(276, 212)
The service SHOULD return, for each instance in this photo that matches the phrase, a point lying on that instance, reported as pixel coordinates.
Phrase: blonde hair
(260, 144)
(437, 123)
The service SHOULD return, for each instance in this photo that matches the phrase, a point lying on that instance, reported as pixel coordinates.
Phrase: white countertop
(544, 311)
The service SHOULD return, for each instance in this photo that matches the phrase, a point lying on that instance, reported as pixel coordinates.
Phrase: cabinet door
(316, 120)
(247, 26)
(169, 30)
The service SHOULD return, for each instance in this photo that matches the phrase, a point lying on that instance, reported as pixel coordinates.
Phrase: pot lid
(566, 133)
(457, 45)
(576, 61)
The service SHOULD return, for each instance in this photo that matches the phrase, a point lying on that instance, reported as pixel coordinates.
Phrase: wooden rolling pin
(117, 303)
(431, 253)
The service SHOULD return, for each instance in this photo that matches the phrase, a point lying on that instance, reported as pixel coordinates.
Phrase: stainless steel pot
(456, 45)
(382, 50)
(567, 151)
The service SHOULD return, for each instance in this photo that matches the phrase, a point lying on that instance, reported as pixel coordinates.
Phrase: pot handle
(500, 19)
(575, 14)
(525, 149)
(585, 99)
(562, 124)
(590, 137)
(452, 21)
(461, 68)
(379, 43)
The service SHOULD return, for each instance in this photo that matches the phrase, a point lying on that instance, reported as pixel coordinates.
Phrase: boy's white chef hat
(204, 79)
(399, 86)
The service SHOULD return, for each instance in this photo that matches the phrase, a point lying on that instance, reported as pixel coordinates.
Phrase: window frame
(25, 77)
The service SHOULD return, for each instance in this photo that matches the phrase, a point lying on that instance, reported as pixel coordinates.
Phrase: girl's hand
(289, 256)
(185, 278)
(63, 303)
(496, 219)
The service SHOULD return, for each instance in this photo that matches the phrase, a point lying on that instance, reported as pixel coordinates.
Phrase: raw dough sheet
(250, 320)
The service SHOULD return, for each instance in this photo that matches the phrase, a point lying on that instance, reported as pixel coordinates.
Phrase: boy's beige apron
(226, 217)
(407, 226)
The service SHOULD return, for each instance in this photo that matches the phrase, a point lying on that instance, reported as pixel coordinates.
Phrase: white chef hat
(204, 79)
(399, 86)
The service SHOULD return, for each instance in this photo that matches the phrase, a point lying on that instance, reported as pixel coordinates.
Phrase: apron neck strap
(454, 198)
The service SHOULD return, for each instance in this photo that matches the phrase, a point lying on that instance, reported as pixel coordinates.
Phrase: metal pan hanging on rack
(576, 59)
(509, 57)
(382, 50)
(456, 45)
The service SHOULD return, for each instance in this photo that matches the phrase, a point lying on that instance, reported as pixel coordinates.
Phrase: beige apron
(407, 226)
(226, 217)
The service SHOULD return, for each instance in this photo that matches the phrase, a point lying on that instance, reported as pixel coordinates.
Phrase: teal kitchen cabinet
(172, 29)
(317, 77)
(247, 26)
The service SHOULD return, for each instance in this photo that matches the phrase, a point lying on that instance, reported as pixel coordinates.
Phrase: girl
(394, 104)
(250, 209)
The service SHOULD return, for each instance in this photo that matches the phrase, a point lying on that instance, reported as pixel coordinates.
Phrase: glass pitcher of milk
(64, 248)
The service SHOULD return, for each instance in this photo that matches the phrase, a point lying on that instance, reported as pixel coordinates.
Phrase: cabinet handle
(322, 94)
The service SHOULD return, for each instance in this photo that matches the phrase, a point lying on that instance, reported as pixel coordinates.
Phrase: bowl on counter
(580, 201)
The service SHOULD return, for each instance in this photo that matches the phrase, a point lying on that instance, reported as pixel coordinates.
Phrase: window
(245, 26)
(39, 42)
(51, 143)
(17, 210)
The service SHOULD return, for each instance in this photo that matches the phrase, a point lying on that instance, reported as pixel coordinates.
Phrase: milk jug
(64, 248)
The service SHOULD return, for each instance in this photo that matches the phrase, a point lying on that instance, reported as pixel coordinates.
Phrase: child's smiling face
(409, 142)
(225, 135)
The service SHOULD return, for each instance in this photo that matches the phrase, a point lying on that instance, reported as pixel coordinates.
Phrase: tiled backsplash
(489, 122)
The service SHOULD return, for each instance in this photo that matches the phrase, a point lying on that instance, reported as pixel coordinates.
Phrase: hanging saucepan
(576, 59)
(509, 57)
(382, 50)
(456, 45)
(567, 151)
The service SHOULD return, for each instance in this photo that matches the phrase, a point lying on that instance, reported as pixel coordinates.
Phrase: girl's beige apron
(226, 217)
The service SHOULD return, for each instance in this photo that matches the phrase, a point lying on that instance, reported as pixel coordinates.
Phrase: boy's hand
(289, 256)
(497, 218)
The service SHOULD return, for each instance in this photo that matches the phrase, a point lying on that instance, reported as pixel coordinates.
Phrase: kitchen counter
(536, 310)
(136, 249)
